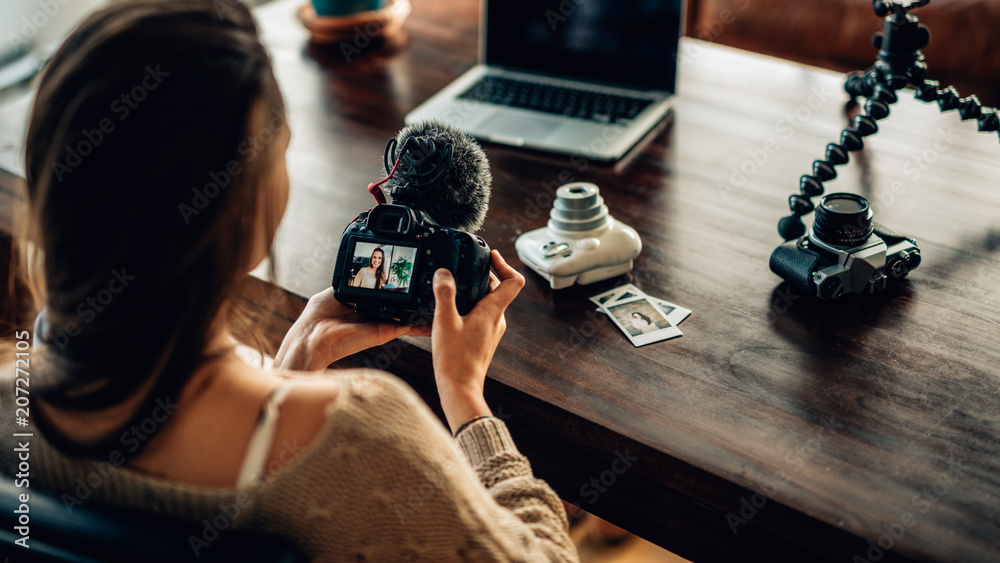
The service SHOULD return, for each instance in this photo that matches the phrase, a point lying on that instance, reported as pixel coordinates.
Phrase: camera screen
(382, 267)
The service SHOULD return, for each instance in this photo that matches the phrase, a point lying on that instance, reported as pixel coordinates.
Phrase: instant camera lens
(578, 207)
(843, 220)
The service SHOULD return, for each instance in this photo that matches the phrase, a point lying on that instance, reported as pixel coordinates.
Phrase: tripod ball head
(900, 61)
(882, 7)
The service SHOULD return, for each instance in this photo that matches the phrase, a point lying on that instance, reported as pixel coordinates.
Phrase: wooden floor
(630, 550)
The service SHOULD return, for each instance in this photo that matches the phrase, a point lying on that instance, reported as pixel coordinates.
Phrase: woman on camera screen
(135, 324)
(372, 276)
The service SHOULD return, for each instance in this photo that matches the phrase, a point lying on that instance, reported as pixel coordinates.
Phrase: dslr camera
(388, 254)
(845, 252)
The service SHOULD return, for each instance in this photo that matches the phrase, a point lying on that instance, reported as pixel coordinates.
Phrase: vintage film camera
(388, 255)
(845, 252)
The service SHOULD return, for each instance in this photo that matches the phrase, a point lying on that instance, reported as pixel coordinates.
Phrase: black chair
(95, 533)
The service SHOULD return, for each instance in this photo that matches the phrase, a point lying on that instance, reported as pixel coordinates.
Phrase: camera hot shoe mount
(900, 65)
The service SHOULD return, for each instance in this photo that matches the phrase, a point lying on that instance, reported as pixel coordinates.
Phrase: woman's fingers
(494, 281)
(445, 311)
(511, 282)
(502, 268)
(422, 329)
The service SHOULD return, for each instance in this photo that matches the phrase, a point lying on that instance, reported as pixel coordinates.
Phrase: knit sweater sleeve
(508, 478)
(386, 482)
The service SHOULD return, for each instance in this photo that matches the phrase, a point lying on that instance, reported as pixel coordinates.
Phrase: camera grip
(796, 266)
(890, 236)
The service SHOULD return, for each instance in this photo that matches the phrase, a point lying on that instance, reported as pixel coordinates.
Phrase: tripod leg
(861, 84)
(876, 107)
(968, 108)
(858, 84)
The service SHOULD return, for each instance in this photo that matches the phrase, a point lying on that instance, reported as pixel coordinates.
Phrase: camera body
(582, 243)
(387, 259)
(845, 252)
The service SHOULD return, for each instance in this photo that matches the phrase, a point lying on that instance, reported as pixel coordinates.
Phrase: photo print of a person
(642, 323)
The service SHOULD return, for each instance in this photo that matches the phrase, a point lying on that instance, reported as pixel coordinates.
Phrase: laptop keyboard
(558, 100)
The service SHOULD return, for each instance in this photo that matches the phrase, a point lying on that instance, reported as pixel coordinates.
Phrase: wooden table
(776, 428)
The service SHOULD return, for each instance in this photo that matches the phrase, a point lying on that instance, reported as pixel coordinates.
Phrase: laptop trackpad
(520, 127)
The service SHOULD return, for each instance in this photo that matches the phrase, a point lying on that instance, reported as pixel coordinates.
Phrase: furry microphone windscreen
(460, 197)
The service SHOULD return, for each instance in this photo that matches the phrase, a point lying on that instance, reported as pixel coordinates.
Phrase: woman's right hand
(463, 346)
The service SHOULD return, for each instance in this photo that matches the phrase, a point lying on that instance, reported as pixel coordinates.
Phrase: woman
(642, 323)
(373, 276)
(156, 181)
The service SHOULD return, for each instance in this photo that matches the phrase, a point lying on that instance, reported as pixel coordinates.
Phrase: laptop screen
(631, 43)
(27, 24)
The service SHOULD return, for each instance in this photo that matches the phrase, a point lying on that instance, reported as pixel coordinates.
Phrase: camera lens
(843, 220)
(578, 207)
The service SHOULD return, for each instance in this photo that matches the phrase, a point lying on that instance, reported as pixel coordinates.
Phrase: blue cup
(345, 7)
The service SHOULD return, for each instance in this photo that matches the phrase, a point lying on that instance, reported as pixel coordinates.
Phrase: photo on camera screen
(383, 267)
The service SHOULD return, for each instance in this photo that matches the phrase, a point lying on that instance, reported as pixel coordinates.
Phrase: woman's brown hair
(380, 271)
(150, 135)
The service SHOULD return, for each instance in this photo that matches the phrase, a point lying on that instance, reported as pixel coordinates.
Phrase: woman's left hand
(328, 330)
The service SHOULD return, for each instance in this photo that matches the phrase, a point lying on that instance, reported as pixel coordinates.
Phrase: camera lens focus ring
(843, 220)
(578, 207)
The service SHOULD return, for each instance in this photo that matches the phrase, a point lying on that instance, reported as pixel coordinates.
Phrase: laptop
(31, 30)
(579, 77)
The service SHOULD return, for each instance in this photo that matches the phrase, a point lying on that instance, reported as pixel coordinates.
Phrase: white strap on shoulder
(263, 436)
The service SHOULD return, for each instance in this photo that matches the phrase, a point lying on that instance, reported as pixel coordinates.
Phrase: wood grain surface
(776, 428)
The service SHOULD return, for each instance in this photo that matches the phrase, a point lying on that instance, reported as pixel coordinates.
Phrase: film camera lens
(845, 252)
(578, 207)
(843, 220)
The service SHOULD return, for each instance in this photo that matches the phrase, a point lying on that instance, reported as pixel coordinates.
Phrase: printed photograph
(607, 297)
(674, 313)
(642, 321)
(627, 291)
(639, 317)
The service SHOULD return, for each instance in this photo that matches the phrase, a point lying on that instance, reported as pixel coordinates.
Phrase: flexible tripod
(900, 64)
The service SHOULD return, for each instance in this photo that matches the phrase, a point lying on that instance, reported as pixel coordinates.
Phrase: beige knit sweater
(382, 481)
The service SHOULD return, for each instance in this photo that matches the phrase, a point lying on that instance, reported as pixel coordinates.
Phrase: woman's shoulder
(348, 388)
(357, 404)
(375, 420)
(373, 411)
(366, 384)
(362, 399)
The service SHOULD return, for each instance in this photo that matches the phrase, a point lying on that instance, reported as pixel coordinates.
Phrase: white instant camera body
(582, 243)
